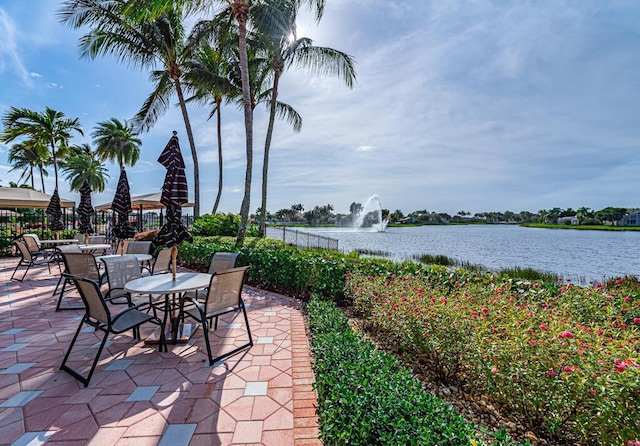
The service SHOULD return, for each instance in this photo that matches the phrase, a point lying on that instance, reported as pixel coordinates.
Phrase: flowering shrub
(565, 358)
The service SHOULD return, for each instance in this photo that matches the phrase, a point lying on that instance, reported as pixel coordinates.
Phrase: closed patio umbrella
(54, 212)
(174, 195)
(85, 209)
(121, 205)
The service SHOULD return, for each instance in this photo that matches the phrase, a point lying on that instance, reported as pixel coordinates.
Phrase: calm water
(572, 254)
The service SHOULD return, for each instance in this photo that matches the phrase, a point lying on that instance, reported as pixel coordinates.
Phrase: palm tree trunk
(267, 147)
(241, 13)
(32, 179)
(194, 154)
(55, 164)
(42, 180)
(219, 125)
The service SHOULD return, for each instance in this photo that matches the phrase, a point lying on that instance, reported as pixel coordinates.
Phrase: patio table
(168, 285)
(63, 241)
(93, 247)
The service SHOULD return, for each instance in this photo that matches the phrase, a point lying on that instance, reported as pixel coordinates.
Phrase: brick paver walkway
(140, 396)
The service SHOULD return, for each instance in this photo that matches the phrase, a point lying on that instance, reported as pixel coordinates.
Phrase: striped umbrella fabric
(121, 205)
(85, 209)
(175, 193)
(54, 212)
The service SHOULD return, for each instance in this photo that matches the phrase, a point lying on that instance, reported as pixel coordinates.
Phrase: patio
(141, 396)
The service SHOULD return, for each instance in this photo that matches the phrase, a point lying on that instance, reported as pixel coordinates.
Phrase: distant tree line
(324, 215)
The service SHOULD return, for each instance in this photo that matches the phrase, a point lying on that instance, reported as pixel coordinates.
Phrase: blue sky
(472, 105)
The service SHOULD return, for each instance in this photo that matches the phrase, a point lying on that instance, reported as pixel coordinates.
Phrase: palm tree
(116, 141)
(286, 49)
(142, 42)
(49, 128)
(29, 155)
(85, 165)
(207, 76)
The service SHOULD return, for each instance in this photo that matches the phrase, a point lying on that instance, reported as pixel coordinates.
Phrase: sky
(459, 105)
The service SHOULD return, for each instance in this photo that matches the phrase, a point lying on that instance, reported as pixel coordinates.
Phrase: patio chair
(100, 318)
(220, 261)
(162, 262)
(224, 295)
(119, 270)
(35, 247)
(58, 255)
(139, 247)
(28, 259)
(77, 265)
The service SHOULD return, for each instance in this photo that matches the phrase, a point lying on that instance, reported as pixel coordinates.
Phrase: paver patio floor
(139, 396)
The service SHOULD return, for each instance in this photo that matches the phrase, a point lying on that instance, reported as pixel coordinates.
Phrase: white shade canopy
(18, 197)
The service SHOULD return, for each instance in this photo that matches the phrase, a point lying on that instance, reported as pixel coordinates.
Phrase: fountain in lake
(372, 205)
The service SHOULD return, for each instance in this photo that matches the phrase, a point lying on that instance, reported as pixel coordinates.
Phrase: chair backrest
(97, 239)
(69, 248)
(94, 302)
(36, 238)
(138, 247)
(222, 261)
(79, 236)
(80, 265)
(225, 290)
(120, 270)
(162, 263)
(31, 242)
(24, 250)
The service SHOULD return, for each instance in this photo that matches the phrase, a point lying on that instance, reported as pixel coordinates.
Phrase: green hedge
(366, 398)
(298, 272)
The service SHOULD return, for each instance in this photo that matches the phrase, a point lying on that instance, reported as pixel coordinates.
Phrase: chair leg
(16, 270)
(75, 374)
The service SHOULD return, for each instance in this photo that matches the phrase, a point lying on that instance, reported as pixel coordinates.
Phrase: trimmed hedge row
(298, 272)
(366, 398)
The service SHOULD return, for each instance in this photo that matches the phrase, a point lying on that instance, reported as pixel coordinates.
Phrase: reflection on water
(572, 254)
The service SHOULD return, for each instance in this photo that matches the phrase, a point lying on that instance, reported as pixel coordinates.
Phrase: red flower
(551, 372)
(543, 327)
(568, 369)
(619, 282)
(566, 334)
(485, 310)
(636, 320)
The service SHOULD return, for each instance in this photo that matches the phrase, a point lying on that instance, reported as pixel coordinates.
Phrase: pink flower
(543, 327)
(619, 282)
(485, 310)
(568, 369)
(566, 334)
(494, 371)
(531, 342)
(551, 372)
(636, 320)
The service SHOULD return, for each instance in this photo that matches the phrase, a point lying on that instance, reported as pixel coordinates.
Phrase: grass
(582, 227)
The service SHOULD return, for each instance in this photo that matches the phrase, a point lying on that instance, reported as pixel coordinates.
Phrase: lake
(579, 255)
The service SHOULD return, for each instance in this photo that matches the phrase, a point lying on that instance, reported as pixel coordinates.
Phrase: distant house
(631, 219)
(572, 220)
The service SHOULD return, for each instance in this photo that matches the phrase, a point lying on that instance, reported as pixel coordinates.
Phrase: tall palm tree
(50, 128)
(116, 141)
(29, 155)
(286, 49)
(153, 42)
(207, 77)
(85, 165)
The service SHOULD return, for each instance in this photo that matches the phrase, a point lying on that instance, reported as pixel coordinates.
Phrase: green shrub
(220, 224)
(366, 398)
